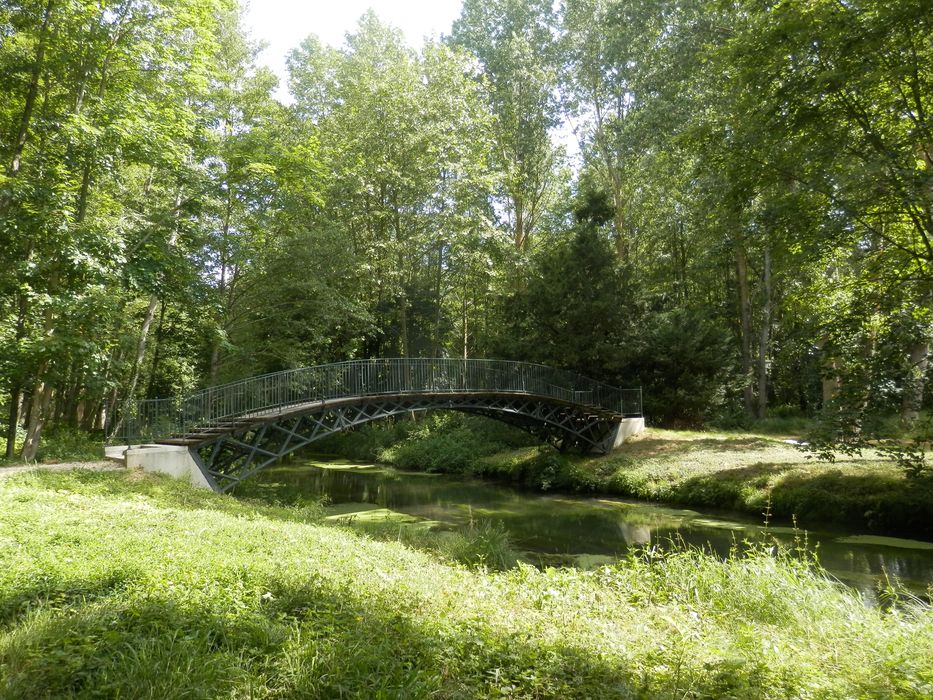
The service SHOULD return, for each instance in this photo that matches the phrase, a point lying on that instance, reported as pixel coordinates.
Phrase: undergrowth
(62, 445)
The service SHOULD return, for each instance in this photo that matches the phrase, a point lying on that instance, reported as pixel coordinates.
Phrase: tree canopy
(727, 203)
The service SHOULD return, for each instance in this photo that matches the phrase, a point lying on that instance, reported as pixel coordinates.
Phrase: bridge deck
(209, 432)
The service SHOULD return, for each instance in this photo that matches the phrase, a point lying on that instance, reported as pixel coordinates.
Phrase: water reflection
(552, 525)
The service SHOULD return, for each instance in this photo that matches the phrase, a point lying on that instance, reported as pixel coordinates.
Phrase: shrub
(69, 445)
(452, 443)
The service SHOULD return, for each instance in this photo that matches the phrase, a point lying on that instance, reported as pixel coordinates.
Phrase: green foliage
(484, 544)
(106, 591)
(368, 442)
(577, 310)
(514, 43)
(687, 367)
(845, 430)
(480, 545)
(450, 443)
(68, 445)
(748, 226)
(19, 436)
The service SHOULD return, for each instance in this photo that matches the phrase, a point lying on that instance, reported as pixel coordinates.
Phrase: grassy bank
(128, 585)
(737, 471)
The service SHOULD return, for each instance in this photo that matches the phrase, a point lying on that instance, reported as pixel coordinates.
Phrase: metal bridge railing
(153, 419)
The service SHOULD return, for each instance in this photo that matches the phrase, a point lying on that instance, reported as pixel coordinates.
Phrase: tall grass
(129, 585)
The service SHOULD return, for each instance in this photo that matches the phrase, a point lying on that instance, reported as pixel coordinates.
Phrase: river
(577, 530)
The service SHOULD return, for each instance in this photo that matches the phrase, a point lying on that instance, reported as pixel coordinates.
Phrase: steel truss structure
(230, 451)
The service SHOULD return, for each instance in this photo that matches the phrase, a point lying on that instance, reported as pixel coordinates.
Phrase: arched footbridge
(234, 430)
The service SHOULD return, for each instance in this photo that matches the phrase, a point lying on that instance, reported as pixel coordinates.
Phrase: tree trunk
(745, 316)
(403, 325)
(138, 360)
(520, 234)
(765, 338)
(830, 383)
(466, 331)
(19, 144)
(157, 354)
(15, 396)
(38, 409)
(916, 381)
(439, 273)
(22, 134)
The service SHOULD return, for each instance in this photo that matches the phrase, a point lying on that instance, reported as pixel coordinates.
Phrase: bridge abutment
(175, 461)
(625, 429)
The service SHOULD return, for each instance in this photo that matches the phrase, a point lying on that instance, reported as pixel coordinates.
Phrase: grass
(731, 470)
(129, 585)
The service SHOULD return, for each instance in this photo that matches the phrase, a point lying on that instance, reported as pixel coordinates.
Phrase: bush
(70, 445)
(439, 442)
(366, 443)
(485, 544)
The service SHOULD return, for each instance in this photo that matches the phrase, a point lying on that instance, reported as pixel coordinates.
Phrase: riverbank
(128, 584)
(742, 472)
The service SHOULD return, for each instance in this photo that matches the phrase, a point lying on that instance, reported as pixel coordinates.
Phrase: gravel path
(101, 466)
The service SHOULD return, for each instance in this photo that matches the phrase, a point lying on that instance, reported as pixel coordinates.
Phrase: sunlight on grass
(138, 586)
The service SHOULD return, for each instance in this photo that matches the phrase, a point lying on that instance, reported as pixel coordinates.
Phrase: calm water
(568, 529)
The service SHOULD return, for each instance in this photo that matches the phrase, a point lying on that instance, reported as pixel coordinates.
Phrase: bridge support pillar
(626, 428)
(173, 460)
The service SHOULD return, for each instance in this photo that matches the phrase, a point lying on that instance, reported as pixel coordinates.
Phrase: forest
(726, 203)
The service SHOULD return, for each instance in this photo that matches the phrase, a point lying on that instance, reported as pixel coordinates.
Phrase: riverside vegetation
(124, 584)
(740, 471)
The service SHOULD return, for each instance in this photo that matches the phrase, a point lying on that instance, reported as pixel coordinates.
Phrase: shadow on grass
(295, 639)
(49, 591)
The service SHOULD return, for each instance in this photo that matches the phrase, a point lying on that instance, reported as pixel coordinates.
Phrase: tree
(101, 89)
(403, 140)
(515, 42)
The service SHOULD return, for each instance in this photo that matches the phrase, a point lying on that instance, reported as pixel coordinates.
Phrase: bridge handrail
(152, 419)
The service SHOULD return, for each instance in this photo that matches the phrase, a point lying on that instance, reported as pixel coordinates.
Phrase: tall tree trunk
(439, 273)
(16, 390)
(765, 338)
(38, 410)
(520, 234)
(13, 416)
(466, 332)
(157, 354)
(22, 134)
(13, 168)
(916, 381)
(403, 325)
(745, 317)
(137, 360)
(147, 324)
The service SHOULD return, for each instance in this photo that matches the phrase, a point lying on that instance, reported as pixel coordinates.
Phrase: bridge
(224, 434)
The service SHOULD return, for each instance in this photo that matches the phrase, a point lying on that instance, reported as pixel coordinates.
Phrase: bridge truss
(235, 430)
